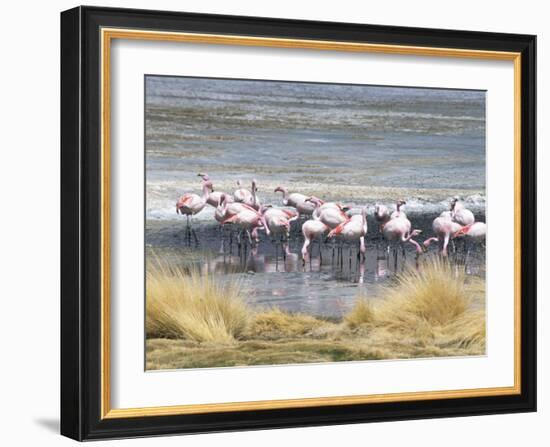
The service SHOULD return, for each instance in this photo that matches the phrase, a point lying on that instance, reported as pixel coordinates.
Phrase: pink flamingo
(242, 195)
(381, 215)
(354, 229)
(331, 215)
(444, 228)
(255, 200)
(312, 229)
(473, 233)
(296, 200)
(228, 208)
(247, 218)
(324, 206)
(214, 198)
(190, 204)
(398, 230)
(460, 213)
(398, 212)
(278, 222)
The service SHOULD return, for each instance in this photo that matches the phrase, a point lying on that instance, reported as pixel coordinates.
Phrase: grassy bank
(193, 322)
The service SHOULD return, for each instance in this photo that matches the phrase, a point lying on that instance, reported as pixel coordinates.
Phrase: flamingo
(296, 200)
(312, 229)
(246, 217)
(214, 197)
(460, 213)
(324, 205)
(190, 204)
(473, 233)
(255, 200)
(330, 214)
(226, 209)
(278, 214)
(464, 217)
(456, 204)
(398, 212)
(242, 195)
(354, 229)
(278, 222)
(444, 228)
(381, 215)
(399, 230)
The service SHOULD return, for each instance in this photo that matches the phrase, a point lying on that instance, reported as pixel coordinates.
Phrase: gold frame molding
(107, 35)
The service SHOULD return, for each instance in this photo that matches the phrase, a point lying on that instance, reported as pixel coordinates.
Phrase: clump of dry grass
(188, 305)
(435, 294)
(275, 324)
(362, 313)
(428, 306)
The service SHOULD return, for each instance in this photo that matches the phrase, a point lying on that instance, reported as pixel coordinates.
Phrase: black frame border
(81, 223)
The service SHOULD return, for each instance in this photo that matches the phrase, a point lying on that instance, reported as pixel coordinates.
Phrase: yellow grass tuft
(275, 324)
(188, 305)
(435, 295)
(362, 313)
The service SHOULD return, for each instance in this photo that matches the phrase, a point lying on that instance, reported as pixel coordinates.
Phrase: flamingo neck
(205, 192)
(285, 192)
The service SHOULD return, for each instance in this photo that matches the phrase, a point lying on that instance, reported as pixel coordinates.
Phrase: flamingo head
(239, 183)
(400, 203)
(208, 184)
(415, 233)
(280, 189)
(205, 177)
(254, 187)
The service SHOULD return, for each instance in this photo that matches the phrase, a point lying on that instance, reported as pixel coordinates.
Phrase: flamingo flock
(324, 222)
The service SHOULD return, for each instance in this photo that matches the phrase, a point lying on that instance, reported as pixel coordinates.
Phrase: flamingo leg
(304, 250)
(445, 244)
(362, 247)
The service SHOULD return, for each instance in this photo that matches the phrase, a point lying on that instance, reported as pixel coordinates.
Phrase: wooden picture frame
(86, 36)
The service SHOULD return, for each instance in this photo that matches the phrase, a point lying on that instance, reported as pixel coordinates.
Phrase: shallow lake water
(273, 276)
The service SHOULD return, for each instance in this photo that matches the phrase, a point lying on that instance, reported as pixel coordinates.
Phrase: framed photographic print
(275, 223)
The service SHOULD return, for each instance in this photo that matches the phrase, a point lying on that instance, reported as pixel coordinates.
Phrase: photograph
(297, 222)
